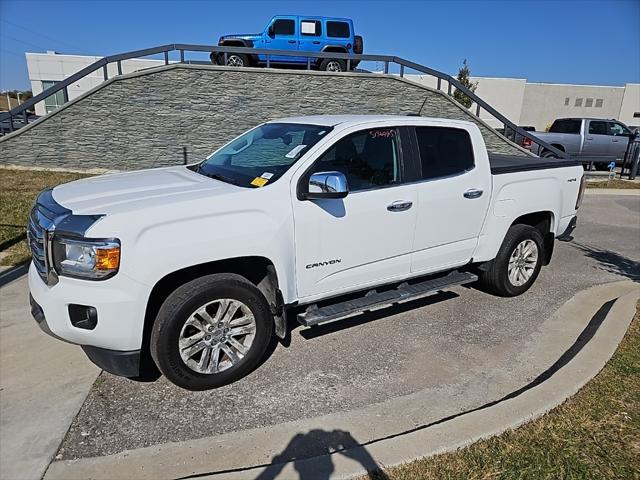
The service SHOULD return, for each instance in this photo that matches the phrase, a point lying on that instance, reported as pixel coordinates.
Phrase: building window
(589, 102)
(53, 101)
(578, 102)
(566, 101)
(599, 102)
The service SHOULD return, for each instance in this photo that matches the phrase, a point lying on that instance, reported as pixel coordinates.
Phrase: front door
(282, 35)
(453, 199)
(619, 135)
(366, 237)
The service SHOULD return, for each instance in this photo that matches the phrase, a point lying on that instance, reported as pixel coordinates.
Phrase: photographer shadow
(312, 452)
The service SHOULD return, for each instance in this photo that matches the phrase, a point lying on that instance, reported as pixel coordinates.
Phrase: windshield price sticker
(259, 182)
(295, 151)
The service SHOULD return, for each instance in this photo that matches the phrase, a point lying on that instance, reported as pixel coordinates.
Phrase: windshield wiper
(217, 176)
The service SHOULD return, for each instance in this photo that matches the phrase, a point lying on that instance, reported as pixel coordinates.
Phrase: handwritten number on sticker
(383, 133)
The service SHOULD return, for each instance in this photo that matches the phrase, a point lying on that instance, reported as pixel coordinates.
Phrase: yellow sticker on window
(259, 181)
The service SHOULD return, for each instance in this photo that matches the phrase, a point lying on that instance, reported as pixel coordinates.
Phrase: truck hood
(243, 36)
(121, 192)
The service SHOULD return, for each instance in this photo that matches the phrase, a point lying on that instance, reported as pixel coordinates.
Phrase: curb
(572, 352)
(10, 274)
(627, 192)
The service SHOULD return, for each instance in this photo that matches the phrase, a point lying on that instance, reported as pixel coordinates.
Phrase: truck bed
(501, 164)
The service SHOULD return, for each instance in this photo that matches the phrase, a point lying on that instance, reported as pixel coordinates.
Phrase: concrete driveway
(465, 347)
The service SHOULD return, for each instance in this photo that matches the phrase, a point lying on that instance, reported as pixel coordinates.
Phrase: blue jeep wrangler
(291, 32)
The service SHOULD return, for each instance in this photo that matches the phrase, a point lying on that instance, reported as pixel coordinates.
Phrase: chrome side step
(374, 300)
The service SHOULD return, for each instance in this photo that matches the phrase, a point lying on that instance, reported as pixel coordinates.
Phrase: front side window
(444, 151)
(338, 29)
(597, 128)
(262, 155)
(284, 26)
(311, 28)
(618, 130)
(54, 101)
(368, 159)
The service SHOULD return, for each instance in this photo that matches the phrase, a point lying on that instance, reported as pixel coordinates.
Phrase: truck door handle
(589, 138)
(399, 206)
(316, 42)
(473, 193)
(292, 41)
(615, 141)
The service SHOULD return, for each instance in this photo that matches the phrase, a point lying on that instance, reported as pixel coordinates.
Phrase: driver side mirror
(327, 185)
(271, 31)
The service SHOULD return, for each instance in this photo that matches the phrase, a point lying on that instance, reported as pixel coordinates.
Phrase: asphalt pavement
(464, 347)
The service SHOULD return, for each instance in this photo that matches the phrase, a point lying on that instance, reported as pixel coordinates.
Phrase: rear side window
(566, 126)
(598, 128)
(338, 29)
(284, 27)
(444, 151)
(311, 27)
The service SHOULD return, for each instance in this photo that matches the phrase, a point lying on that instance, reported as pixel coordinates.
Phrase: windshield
(262, 155)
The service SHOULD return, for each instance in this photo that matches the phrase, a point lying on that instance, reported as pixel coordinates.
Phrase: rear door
(310, 39)
(453, 197)
(597, 142)
(338, 32)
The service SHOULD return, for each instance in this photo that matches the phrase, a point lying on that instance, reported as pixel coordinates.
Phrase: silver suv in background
(596, 140)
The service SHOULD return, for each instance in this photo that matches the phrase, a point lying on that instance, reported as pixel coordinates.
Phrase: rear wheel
(333, 65)
(517, 264)
(549, 154)
(211, 331)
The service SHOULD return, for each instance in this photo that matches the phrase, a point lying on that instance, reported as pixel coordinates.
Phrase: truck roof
(333, 120)
(315, 17)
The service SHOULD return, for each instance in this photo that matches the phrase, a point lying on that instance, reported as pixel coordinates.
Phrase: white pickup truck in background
(193, 269)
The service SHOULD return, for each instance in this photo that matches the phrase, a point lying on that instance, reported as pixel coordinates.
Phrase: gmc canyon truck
(297, 33)
(193, 269)
(590, 140)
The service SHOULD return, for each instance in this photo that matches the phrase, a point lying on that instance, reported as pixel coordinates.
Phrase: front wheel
(236, 60)
(517, 263)
(211, 331)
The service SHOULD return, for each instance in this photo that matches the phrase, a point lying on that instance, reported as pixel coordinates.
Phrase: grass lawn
(593, 435)
(18, 189)
(616, 183)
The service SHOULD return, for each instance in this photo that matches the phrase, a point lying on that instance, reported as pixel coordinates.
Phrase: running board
(374, 300)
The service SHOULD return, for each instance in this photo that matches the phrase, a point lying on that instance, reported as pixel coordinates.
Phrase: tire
(214, 58)
(183, 318)
(236, 60)
(549, 154)
(333, 65)
(497, 280)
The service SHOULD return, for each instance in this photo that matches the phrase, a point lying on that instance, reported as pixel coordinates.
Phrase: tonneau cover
(521, 163)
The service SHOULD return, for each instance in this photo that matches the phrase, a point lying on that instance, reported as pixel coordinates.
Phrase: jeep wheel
(333, 65)
(517, 264)
(236, 60)
(211, 331)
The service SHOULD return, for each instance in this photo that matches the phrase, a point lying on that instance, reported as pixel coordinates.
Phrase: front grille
(36, 237)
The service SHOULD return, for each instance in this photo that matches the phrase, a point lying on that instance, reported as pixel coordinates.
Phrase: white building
(524, 103)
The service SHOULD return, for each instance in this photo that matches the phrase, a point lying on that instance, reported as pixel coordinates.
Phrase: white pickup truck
(193, 269)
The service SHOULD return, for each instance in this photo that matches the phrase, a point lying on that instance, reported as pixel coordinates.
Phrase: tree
(463, 78)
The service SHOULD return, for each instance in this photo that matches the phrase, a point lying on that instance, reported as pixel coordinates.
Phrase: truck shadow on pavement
(611, 262)
(322, 444)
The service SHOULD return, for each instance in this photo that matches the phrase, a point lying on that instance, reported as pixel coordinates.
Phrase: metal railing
(452, 84)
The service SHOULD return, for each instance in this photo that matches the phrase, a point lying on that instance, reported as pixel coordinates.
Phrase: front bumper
(120, 303)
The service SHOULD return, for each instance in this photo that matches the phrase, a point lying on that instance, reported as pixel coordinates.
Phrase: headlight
(92, 259)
